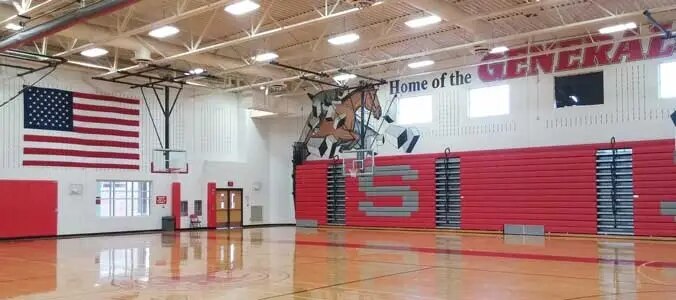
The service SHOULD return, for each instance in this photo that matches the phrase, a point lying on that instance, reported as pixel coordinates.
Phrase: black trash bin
(168, 223)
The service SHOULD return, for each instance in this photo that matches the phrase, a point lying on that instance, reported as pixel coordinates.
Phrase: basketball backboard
(169, 161)
(358, 162)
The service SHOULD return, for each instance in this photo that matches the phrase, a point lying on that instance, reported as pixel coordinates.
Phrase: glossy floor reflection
(294, 263)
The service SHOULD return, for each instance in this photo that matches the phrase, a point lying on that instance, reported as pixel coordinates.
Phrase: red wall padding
(176, 204)
(28, 208)
(550, 186)
(654, 182)
(554, 187)
(311, 183)
(424, 185)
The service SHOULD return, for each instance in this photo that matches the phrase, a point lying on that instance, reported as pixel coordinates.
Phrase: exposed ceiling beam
(513, 37)
(371, 38)
(148, 27)
(251, 37)
(481, 29)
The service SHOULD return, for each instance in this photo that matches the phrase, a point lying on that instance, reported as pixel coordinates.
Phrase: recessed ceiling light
(344, 39)
(424, 21)
(242, 7)
(420, 64)
(500, 49)
(617, 28)
(13, 26)
(94, 52)
(163, 31)
(343, 77)
(196, 71)
(265, 56)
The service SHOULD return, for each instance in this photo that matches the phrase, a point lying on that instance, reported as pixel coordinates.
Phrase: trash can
(168, 223)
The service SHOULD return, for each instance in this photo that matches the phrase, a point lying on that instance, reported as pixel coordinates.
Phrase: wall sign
(161, 200)
(573, 54)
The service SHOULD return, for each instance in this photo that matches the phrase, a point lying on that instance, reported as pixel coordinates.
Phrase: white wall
(223, 144)
(632, 111)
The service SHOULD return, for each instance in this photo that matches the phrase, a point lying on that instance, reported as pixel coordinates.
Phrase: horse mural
(334, 124)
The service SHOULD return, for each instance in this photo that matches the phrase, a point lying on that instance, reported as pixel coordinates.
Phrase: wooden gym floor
(333, 263)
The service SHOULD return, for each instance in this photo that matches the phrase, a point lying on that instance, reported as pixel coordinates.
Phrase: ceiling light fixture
(421, 64)
(500, 49)
(424, 21)
(617, 28)
(94, 52)
(265, 56)
(242, 7)
(344, 39)
(13, 26)
(163, 31)
(344, 77)
(196, 71)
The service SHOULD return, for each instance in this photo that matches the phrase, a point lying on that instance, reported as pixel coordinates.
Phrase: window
(579, 90)
(489, 101)
(124, 198)
(184, 208)
(414, 110)
(198, 207)
(667, 80)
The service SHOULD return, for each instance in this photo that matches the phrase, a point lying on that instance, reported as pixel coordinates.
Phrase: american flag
(71, 129)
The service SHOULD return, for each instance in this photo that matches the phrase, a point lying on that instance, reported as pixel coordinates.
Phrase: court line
(667, 292)
(347, 282)
(478, 253)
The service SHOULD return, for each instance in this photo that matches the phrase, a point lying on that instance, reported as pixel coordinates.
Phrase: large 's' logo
(409, 197)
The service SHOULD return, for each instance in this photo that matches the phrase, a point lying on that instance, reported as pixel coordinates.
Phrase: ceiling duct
(63, 22)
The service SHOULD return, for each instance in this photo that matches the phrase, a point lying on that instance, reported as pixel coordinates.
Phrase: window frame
(134, 195)
(417, 122)
(197, 209)
(660, 80)
(509, 101)
(186, 212)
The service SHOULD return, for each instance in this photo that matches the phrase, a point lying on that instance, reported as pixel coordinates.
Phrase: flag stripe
(87, 130)
(79, 153)
(90, 113)
(105, 120)
(110, 109)
(80, 147)
(78, 165)
(70, 134)
(78, 141)
(105, 98)
(77, 124)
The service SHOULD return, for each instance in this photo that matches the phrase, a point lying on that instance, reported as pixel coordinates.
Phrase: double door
(229, 208)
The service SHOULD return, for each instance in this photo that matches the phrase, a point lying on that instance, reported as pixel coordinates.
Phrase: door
(235, 208)
(222, 208)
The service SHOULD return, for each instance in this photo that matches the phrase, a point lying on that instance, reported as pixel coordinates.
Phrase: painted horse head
(371, 102)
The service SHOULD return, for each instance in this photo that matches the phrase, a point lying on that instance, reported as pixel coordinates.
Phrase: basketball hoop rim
(169, 171)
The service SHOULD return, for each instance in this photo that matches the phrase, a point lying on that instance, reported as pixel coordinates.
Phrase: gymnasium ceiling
(297, 30)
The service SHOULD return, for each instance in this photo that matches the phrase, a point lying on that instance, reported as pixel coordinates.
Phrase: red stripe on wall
(113, 132)
(211, 205)
(106, 98)
(103, 120)
(110, 109)
(176, 203)
(78, 153)
(69, 164)
(77, 141)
